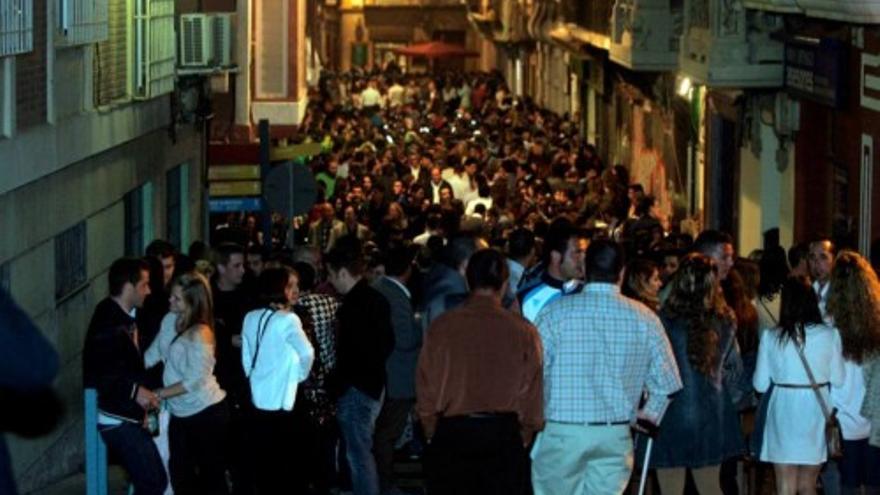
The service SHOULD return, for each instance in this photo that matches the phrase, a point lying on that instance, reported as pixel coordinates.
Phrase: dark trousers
(136, 451)
(389, 426)
(239, 461)
(198, 451)
(860, 464)
(315, 457)
(476, 455)
(273, 444)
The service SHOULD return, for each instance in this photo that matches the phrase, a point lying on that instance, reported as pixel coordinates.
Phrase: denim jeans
(860, 464)
(136, 451)
(356, 413)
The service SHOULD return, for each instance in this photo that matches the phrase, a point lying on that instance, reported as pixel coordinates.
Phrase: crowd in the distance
(474, 288)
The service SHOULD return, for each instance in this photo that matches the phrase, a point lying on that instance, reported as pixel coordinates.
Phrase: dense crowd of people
(474, 288)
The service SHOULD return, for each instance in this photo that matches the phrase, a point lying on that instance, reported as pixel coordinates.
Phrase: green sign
(359, 54)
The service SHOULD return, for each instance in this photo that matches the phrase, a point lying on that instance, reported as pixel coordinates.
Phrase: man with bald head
(321, 230)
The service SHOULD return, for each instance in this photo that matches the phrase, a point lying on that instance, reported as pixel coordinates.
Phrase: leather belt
(594, 423)
(791, 385)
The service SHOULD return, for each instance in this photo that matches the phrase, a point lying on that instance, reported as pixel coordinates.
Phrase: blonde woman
(854, 305)
(197, 432)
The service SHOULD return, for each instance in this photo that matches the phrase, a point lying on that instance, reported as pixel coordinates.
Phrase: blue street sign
(226, 205)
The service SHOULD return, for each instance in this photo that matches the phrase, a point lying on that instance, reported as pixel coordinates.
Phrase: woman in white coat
(276, 356)
(794, 435)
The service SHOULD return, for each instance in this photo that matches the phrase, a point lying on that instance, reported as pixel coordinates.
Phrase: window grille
(70, 261)
(16, 26)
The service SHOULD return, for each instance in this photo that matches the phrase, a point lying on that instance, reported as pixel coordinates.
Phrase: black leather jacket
(112, 363)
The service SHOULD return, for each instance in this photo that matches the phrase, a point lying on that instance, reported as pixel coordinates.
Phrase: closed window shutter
(111, 57)
(16, 26)
(271, 49)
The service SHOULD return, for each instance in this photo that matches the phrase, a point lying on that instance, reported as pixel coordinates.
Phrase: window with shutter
(110, 65)
(16, 26)
(155, 54)
(81, 22)
(272, 18)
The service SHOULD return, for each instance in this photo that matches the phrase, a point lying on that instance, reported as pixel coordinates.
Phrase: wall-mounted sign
(234, 188)
(233, 172)
(235, 204)
(815, 69)
(870, 81)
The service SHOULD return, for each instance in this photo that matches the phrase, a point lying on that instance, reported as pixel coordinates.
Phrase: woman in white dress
(794, 435)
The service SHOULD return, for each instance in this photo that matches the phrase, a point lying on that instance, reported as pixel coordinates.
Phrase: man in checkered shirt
(601, 352)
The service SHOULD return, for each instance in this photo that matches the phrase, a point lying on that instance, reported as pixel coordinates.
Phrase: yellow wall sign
(294, 151)
(234, 172)
(235, 188)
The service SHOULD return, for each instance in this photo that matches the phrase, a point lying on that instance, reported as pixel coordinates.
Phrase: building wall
(766, 194)
(93, 191)
(79, 144)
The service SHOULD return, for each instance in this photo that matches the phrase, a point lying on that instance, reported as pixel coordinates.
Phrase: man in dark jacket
(365, 340)
(445, 286)
(400, 392)
(113, 364)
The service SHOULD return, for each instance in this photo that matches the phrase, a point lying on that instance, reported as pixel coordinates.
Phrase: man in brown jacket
(479, 388)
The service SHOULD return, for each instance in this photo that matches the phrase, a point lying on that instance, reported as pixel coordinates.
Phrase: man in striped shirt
(601, 351)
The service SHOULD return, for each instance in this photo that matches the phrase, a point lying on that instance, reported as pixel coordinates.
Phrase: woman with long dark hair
(700, 430)
(794, 433)
(197, 432)
(276, 356)
(854, 304)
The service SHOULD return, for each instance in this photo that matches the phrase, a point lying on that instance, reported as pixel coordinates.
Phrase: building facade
(98, 158)
(729, 112)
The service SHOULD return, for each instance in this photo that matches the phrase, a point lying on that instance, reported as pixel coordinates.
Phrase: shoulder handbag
(833, 434)
(261, 331)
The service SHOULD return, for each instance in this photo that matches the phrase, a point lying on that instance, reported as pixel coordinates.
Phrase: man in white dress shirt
(821, 261)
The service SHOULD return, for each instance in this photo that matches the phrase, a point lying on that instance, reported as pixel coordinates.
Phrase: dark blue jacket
(701, 426)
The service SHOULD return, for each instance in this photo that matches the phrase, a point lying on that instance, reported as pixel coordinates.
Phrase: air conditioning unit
(196, 40)
(223, 33)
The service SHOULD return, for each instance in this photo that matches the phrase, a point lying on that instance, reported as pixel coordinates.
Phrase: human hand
(236, 341)
(645, 425)
(146, 398)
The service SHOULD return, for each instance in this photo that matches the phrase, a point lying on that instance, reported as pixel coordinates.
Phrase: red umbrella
(436, 49)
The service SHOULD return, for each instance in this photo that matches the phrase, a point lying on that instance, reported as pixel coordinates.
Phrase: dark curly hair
(695, 296)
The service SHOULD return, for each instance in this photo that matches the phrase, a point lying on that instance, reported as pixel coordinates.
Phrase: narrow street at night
(439, 247)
